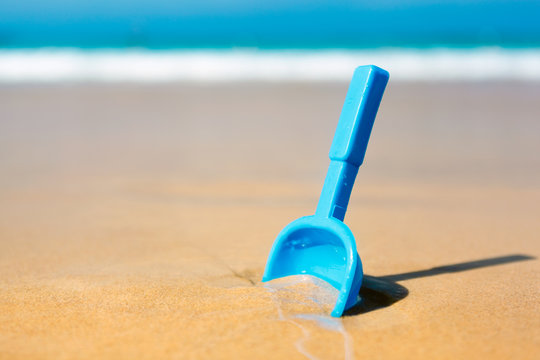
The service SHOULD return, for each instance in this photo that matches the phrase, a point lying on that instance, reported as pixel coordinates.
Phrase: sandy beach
(135, 221)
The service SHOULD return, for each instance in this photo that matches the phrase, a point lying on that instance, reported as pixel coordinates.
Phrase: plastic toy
(322, 245)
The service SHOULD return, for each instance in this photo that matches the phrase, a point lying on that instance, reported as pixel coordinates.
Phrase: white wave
(157, 66)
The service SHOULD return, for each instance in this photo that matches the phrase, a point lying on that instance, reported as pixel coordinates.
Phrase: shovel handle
(351, 139)
(358, 114)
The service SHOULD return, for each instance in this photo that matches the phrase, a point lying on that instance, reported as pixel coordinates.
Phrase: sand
(135, 222)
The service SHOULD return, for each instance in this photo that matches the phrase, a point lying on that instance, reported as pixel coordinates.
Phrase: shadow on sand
(382, 291)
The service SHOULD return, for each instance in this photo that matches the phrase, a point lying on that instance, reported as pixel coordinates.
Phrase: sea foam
(304, 298)
(53, 65)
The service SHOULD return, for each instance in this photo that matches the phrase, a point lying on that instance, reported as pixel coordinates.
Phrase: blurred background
(136, 84)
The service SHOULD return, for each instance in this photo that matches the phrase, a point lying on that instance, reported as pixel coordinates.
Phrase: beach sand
(135, 221)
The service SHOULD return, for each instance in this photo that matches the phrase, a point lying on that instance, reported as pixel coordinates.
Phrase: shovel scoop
(322, 245)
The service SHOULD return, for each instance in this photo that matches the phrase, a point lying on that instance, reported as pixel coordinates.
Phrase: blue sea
(239, 40)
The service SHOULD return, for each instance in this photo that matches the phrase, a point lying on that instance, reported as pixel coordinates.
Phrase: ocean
(296, 40)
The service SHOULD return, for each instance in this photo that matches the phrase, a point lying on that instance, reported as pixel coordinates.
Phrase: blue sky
(277, 23)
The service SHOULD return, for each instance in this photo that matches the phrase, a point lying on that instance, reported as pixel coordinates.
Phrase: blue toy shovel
(322, 245)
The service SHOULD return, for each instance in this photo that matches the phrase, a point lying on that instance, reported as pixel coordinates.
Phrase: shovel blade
(321, 247)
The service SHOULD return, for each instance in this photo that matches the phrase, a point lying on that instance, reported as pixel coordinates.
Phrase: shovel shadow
(383, 291)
